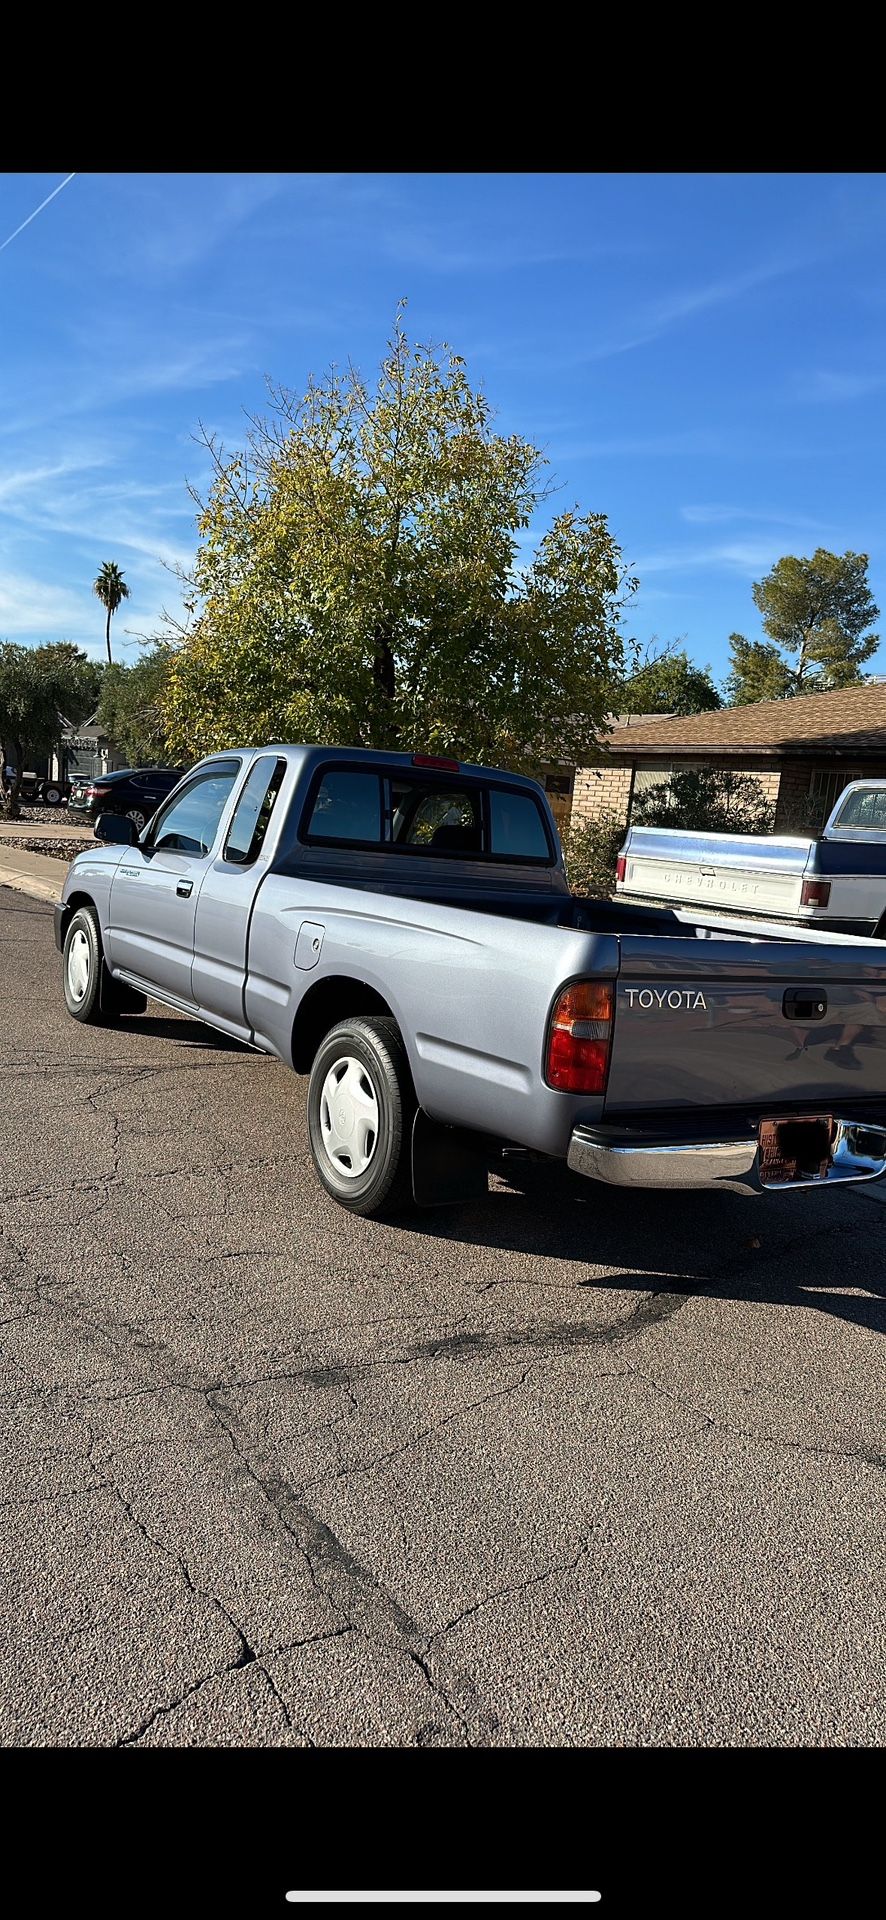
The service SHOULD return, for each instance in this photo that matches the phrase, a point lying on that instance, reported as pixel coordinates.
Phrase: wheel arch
(71, 905)
(337, 997)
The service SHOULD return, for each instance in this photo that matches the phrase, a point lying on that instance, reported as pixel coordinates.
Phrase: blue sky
(701, 357)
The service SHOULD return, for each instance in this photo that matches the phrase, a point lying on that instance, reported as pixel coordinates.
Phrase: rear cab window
(865, 811)
(426, 814)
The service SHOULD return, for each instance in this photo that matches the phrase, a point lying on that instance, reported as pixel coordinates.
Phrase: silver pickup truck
(835, 880)
(400, 928)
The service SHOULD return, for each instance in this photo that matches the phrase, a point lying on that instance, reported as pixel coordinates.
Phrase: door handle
(183, 888)
(805, 1003)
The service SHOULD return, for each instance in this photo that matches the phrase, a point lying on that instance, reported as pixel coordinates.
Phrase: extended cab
(401, 929)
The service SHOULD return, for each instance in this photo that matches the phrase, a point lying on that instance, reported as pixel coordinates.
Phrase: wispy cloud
(32, 216)
(685, 303)
(451, 251)
(717, 516)
(631, 446)
(83, 507)
(19, 482)
(172, 234)
(848, 385)
(29, 605)
(735, 556)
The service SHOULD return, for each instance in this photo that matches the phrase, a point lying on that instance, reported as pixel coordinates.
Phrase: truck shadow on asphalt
(815, 1250)
(185, 1033)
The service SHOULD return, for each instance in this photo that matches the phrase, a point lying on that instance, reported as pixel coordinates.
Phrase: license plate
(797, 1147)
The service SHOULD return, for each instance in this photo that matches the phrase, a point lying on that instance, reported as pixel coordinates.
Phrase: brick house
(803, 752)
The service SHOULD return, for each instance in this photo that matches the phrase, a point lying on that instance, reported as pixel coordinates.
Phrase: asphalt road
(560, 1468)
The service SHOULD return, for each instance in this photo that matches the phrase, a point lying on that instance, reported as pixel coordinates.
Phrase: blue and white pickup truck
(400, 928)
(836, 881)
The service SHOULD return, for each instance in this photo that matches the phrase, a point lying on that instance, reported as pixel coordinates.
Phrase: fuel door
(309, 945)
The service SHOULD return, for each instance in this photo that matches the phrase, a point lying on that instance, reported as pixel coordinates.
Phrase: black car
(134, 791)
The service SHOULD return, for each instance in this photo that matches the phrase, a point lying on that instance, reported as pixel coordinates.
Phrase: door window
(253, 811)
(190, 821)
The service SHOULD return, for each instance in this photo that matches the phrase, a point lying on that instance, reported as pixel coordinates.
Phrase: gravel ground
(55, 849)
(41, 816)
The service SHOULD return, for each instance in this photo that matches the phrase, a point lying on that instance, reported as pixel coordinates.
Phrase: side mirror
(116, 828)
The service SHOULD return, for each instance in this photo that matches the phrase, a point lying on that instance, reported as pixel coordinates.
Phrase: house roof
(850, 721)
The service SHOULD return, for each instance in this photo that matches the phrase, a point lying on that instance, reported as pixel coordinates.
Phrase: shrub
(704, 800)
(590, 849)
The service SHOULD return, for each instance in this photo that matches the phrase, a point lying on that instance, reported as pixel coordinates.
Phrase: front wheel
(361, 1105)
(83, 964)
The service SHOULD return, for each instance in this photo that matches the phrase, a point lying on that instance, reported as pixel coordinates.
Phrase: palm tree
(111, 589)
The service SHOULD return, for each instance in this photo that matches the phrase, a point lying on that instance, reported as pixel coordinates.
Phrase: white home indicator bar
(450, 1898)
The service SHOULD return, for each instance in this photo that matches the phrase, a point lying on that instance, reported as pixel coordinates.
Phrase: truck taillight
(815, 893)
(621, 867)
(580, 1037)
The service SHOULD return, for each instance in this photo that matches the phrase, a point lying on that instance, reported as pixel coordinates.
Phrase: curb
(34, 874)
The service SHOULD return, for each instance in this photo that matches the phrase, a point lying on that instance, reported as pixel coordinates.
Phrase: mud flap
(450, 1165)
(114, 996)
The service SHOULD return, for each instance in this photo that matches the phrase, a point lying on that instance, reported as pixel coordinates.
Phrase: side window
(516, 826)
(189, 822)
(253, 811)
(347, 807)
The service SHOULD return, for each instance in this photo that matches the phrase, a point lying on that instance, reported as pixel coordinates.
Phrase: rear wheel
(137, 817)
(361, 1104)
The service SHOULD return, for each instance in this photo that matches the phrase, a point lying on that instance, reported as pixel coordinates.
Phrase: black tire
(83, 967)
(370, 1053)
(138, 818)
(52, 796)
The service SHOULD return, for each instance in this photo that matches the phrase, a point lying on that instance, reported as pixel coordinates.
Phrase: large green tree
(31, 698)
(361, 576)
(79, 679)
(130, 707)
(111, 589)
(818, 615)
(665, 680)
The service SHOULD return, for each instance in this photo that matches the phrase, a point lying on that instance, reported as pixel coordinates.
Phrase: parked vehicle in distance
(135, 792)
(836, 881)
(39, 790)
(400, 928)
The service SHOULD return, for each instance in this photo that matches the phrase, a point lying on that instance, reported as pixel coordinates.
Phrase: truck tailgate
(716, 870)
(721, 1023)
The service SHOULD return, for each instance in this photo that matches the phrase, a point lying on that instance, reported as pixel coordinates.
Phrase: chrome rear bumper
(732, 1165)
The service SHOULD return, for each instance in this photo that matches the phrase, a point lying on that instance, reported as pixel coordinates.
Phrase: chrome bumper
(733, 1166)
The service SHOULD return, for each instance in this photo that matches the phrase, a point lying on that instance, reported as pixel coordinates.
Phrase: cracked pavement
(561, 1468)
